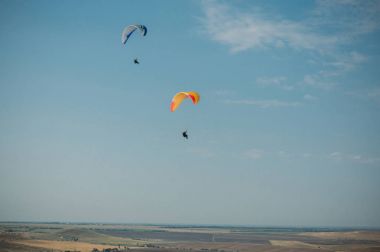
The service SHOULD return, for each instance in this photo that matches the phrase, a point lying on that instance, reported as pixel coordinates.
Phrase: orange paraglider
(179, 97)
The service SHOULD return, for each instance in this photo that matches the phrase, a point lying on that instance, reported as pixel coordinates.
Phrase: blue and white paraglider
(129, 30)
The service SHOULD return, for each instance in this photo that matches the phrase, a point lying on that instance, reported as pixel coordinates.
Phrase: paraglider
(179, 97)
(127, 32)
(184, 134)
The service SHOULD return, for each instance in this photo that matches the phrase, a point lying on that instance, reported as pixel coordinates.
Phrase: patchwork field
(113, 237)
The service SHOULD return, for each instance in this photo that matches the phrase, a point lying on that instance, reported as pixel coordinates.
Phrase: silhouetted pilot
(136, 61)
(184, 134)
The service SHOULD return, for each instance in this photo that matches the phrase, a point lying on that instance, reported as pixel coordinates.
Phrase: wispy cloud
(329, 24)
(340, 64)
(357, 158)
(275, 81)
(332, 67)
(337, 156)
(307, 155)
(246, 30)
(317, 80)
(348, 18)
(372, 94)
(324, 34)
(309, 97)
(283, 154)
(273, 103)
(253, 154)
(224, 92)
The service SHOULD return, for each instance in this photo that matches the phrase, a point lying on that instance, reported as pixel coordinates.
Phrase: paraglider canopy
(127, 32)
(179, 97)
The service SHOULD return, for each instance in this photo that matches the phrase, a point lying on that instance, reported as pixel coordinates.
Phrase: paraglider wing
(179, 97)
(127, 32)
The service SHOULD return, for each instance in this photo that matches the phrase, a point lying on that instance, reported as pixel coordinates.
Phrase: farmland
(88, 237)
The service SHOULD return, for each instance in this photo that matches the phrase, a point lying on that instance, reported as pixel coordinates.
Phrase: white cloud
(330, 23)
(307, 155)
(336, 156)
(317, 81)
(348, 18)
(356, 158)
(242, 30)
(325, 34)
(273, 103)
(333, 66)
(259, 153)
(275, 81)
(343, 63)
(363, 159)
(309, 97)
(254, 153)
(283, 154)
(372, 94)
(224, 92)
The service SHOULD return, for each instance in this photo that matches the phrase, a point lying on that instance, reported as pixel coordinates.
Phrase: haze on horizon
(286, 132)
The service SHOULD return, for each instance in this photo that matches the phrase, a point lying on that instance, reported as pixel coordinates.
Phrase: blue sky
(286, 132)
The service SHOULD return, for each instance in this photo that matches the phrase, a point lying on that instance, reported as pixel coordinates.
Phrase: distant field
(158, 235)
(62, 245)
(35, 237)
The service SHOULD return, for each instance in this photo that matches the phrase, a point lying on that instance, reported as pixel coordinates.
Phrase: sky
(286, 132)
